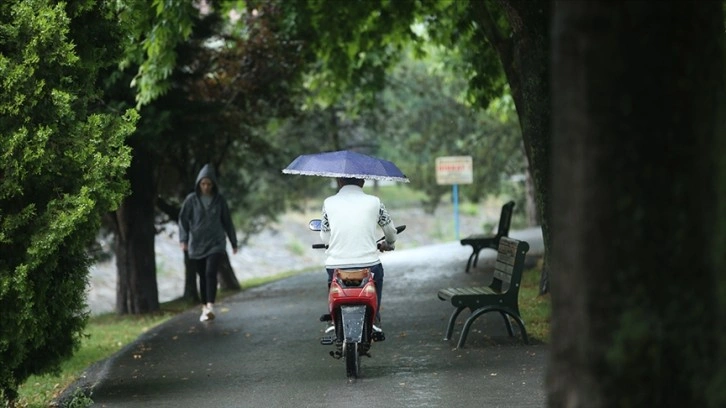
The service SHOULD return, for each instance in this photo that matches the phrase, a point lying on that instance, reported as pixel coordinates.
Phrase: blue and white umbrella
(345, 163)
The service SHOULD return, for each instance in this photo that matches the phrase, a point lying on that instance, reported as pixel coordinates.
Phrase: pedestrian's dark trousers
(207, 270)
(377, 271)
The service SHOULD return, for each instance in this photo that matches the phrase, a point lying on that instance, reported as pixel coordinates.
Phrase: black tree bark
(637, 204)
(136, 287)
(525, 59)
(227, 280)
(191, 292)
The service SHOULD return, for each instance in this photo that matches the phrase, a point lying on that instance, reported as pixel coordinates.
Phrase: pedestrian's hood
(208, 172)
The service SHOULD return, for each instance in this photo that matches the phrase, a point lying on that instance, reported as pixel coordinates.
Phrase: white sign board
(454, 170)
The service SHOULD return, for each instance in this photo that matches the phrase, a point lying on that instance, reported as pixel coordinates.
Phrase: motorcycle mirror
(315, 225)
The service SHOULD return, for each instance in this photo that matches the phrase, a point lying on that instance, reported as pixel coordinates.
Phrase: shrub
(62, 166)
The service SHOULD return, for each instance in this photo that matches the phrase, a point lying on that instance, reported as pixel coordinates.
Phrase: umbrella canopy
(345, 163)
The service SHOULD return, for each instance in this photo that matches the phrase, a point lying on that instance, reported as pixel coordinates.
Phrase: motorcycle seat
(353, 277)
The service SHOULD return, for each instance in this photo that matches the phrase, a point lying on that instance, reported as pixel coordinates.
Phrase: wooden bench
(482, 241)
(500, 296)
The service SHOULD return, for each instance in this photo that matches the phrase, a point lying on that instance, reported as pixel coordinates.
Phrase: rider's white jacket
(351, 219)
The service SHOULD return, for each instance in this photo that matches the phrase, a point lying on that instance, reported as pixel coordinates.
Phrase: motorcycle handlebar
(315, 226)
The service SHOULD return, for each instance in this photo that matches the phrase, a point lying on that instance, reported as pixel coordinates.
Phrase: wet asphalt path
(263, 349)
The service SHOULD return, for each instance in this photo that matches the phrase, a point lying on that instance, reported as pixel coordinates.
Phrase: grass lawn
(535, 308)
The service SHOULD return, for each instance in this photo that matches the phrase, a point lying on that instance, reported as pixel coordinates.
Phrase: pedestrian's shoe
(207, 313)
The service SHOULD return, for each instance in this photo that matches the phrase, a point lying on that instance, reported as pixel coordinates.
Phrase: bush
(62, 167)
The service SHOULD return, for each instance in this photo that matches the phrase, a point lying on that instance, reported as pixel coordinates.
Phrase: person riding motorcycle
(350, 222)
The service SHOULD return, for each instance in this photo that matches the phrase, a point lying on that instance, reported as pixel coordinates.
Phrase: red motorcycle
(352, 306)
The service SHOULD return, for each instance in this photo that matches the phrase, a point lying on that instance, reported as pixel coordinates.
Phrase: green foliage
(223, 107)
(367, 38)
(426, 116)
(353, 45)
(62, 167)
(424, 106)
(79, 400)
(152, 41)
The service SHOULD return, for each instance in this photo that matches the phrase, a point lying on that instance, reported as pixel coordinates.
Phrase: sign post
(454, 170)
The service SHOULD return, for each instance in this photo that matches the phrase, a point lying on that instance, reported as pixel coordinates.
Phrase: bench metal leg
(473, 258)
(468, 263)
(467, 325)
(508, 324)
(522, 330)
(505, 314)
(476, 258)
(452, 320)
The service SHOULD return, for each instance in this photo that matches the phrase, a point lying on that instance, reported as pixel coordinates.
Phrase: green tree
(367, 39)
(426, 114)
(62, 167)
(501, 41)
(226, 79)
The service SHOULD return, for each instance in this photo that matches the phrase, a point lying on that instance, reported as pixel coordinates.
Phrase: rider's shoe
(377, 325)
(326, 317)
(329, 336)
(378, 334)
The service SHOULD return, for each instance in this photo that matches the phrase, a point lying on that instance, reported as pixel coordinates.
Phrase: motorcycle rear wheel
(352, 359)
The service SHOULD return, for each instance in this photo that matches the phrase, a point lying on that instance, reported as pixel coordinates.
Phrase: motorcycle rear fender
(339, 297)
(353, 318)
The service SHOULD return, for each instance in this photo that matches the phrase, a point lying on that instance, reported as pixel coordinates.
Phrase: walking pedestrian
(204, 226)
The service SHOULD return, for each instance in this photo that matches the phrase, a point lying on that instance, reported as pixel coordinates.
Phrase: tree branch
(482, 15)
(169, 209)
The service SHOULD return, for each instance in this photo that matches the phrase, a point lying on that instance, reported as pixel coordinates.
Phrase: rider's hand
(385, 246)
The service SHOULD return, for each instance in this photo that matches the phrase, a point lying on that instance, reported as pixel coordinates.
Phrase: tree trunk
(136, 289)
(525, 60)
(533, 217)
(191, 292)
(227, 280)
(638, 204)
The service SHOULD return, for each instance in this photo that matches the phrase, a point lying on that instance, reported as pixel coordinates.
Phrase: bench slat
(471, 291)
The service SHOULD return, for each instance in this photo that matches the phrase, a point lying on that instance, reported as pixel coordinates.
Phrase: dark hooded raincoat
(205, 229)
